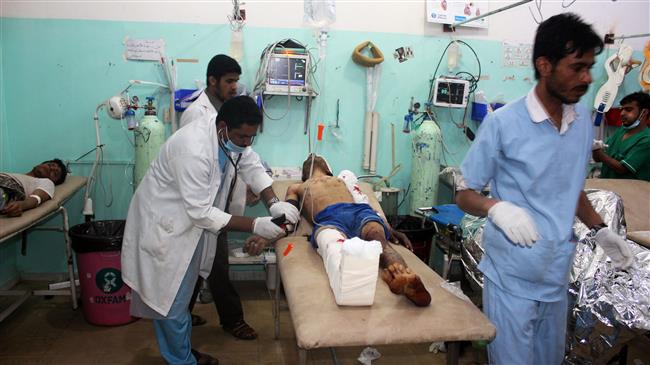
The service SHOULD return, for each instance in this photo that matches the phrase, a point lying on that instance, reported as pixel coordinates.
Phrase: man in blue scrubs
(533, 153)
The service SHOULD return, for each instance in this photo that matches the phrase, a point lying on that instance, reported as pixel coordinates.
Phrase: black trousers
(225, 297)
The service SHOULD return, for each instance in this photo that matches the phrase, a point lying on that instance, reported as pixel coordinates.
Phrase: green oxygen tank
(149, 137)
(425, 167)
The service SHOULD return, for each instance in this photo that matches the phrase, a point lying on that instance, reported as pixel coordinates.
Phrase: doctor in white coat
(222, 78)
(184, 194)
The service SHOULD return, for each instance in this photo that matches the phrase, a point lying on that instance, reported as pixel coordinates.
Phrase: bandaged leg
(351, 266)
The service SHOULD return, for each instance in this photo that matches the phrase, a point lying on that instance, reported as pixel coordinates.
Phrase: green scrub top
(633, 153)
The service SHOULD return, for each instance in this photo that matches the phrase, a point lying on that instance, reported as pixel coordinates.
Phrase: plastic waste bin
(104, 296)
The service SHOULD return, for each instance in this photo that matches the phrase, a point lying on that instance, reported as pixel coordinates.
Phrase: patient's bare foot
(401, 280)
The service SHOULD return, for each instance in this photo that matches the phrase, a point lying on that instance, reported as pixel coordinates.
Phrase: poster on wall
(454, 11)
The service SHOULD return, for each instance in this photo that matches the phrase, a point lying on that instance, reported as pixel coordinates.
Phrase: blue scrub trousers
(174, 333)
(528, 331)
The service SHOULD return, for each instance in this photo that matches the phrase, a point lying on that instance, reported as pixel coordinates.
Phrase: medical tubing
(302, 201)
(234, 180)
(101, 183)
(91, 176)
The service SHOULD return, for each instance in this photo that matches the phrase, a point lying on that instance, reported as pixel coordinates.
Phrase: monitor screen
(452, 93)
(285, 70)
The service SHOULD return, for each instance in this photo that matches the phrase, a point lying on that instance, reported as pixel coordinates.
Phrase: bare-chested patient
(320, 192)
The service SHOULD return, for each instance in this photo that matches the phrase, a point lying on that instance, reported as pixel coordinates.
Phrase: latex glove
(598, 145)
(615, 247)
(290, 212)
(254, 245)
(515, 222)
(262, 226)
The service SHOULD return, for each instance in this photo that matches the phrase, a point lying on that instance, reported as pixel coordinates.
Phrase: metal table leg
(453, 352)
(302, 356)
(276, 302)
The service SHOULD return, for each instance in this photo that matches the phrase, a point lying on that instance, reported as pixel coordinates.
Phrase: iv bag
(320, 14)
(453, 55)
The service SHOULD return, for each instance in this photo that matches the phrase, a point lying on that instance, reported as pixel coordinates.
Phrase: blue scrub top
(538, 168)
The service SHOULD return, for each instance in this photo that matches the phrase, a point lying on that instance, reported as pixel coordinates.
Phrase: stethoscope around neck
(234, 164)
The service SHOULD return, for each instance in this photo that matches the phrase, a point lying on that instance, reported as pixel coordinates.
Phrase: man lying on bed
(339, 211)
(21, 192)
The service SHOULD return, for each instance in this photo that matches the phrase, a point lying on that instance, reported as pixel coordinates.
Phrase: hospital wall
(55, 71)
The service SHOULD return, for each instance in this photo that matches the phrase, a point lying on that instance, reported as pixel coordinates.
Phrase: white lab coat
(198, 110)
(181, 195)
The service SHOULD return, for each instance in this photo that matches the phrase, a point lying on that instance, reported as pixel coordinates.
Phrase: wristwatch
(597, 227)
(272, 201)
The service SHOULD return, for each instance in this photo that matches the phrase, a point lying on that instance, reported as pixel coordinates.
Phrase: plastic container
(497, 105)
(183, 98)
(420, 236)
(104, 296)
(479, 111)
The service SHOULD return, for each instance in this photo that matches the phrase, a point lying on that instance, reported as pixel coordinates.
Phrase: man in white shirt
(181, 202)
(28, 191)
(222, 78)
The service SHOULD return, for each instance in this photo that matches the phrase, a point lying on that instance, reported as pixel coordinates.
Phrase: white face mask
(229, 145)
(636, 123)
(633, 125)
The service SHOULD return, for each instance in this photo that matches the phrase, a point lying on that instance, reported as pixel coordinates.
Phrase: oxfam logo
(109, 280)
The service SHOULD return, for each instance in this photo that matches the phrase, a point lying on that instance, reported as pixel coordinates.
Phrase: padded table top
(63, 192)
(636, 199)
(392, 319)
(640, 237)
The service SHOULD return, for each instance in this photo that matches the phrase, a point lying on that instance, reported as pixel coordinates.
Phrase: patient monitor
(287, 72)
(450, 92)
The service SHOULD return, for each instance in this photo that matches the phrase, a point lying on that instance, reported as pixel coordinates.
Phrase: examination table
(320, 323)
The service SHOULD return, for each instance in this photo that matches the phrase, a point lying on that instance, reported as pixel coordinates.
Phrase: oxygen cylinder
(425, 167)
(149, 137)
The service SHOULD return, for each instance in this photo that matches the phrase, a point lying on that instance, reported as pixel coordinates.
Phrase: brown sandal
(204, 359)
(241, 330)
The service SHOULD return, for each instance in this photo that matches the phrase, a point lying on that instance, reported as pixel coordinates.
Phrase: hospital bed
(30, 220)
(320, 323)
(636, 202)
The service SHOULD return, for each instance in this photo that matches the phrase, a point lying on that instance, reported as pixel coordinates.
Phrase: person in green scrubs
(626, 154)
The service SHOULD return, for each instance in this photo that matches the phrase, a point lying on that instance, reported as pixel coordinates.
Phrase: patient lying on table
(343, 223)
(21, 192)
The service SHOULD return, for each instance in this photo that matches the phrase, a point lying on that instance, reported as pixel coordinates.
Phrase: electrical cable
(235, 19)
(566, 6)
(406, 193)
(262, 73)
(538, 6)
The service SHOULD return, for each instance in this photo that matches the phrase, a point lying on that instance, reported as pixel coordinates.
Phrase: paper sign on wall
(144, 49)
(454, 11)
(516, 54)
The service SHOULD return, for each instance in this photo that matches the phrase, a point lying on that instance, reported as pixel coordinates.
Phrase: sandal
(204, 359)
(198, 320)
(241, 330)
